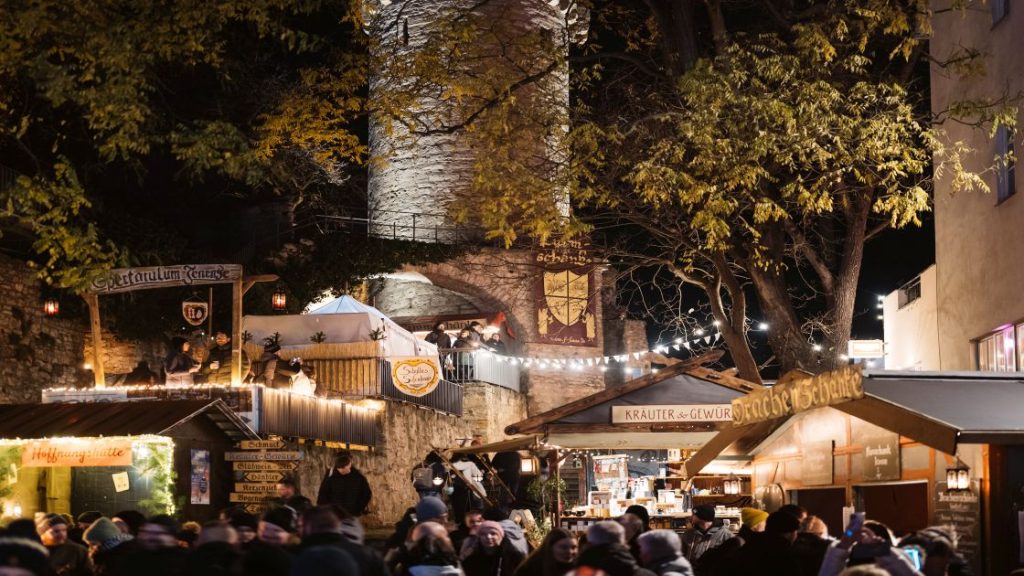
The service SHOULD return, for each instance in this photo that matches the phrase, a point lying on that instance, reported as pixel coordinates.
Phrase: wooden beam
(236, 333)
(937, 435)
(746, 436)
(535, 423)
(724, 379)
(99, 375)
(250, 281)
(584, 428)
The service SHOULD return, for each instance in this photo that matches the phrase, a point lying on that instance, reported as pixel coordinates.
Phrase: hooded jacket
(614, 559)
(350, 491)
(677, 566)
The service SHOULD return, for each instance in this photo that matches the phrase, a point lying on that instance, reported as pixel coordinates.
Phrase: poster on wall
(200, 493)
(565, 293)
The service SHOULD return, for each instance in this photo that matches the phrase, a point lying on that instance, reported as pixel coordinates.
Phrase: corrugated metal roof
(91, 419)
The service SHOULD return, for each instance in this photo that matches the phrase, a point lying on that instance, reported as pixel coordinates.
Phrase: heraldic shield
(567, 295)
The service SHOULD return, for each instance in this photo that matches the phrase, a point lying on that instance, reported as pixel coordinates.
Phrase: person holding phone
(859, 546)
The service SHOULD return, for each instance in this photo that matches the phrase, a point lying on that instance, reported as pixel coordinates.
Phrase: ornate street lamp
(958, 478)
(51, 307)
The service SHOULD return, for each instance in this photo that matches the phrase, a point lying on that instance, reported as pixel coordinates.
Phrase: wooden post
(100, 377)
(558, 491)
(236, 332)
(209, 314)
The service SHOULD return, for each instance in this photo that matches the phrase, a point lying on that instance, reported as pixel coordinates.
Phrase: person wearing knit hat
(83, 521)
(66, 557)
(107, 544)
(703, 534)
(492, 553)
(28, 555)
(277, 526)
(753, 519)
(431, 509)
(246, 525)
(129, 521)
(160, 531)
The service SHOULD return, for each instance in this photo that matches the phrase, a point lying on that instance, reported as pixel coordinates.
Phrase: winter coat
(70, 559)
(895, 563)
(677, 566)
(534, 566)
(222, 375)
(501, 561)
(350, 491)
(369, 561)
(162, 562)
(439, 338)
(765, 555)
(614, 559)
(696, 542)
(809, 550)
(432, 570)
(513, 535)
(213, 559)
(178, 366)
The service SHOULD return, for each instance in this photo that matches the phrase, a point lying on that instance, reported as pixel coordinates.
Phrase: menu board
(962, 510)
(816, 468)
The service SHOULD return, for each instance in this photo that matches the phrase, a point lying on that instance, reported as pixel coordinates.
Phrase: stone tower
(441, 65)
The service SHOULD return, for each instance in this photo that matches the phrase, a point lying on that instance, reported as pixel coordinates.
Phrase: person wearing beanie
(703, 534)
(66, 557)
(129, 521)
(641, 513)
(28, 555)
(345, 486)
(245, 525)
(24, 528)
(83, 521)
(431, 509)
(492, 554)
(753, 519)
(277, 527)
(771, 552)
(109, 547)
(661, 553)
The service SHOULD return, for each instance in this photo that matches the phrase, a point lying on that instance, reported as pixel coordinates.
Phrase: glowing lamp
(732, 486)
(279, 300)
(51, 307)
(958, 478)
(528, 466)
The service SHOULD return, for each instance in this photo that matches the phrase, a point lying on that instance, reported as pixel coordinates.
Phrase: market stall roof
(93, 419)
(589, 422)
(938, 409)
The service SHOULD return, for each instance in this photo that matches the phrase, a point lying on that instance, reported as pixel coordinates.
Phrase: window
(1005, 185)
(998, 352)
(1000, 8)
(909, 292)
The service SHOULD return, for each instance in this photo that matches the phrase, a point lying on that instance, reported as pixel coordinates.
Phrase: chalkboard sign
(882, 457)
(962, 510)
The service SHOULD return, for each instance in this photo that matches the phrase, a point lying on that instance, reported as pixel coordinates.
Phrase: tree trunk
(785, 336)
(847, 278)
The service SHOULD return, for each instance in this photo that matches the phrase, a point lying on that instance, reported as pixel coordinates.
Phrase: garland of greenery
(153, 458)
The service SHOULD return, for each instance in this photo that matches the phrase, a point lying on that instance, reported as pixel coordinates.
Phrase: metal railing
(371, 378)
(481, 366)
(288, 414)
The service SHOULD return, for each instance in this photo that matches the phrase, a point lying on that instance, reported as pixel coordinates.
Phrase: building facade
(979, 238)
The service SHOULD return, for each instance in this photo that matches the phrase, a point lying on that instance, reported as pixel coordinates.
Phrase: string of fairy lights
(700, 339)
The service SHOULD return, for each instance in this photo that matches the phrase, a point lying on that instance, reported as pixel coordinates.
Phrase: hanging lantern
(279, 300)
(528, 466)
(51, 307)
(958, 478)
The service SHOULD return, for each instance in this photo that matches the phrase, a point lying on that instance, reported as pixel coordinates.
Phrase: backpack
(423, 478)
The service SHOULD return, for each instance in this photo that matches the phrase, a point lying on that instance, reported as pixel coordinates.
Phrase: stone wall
(409, 434)
(36, 351)
(121, 356)
(414, 297)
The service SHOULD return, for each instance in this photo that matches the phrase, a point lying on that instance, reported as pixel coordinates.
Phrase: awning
(94, 419)
(590, 422)
(937, 409)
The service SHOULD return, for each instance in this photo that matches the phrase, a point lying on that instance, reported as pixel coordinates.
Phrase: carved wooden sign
(797, 396)
(128, 279)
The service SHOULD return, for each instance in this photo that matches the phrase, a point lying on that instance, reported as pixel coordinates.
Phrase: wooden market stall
(675, 411)
(70, 458)
(911, 449)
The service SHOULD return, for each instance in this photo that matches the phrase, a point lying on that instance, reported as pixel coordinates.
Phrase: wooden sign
(415, 376)
(274, 444)
(262, 456)
(786, 399)
(254, 508)
(262, 476)
(816, 468)
(261, 466)
(98, 452)
(256, 487)
(882, 457)
(127, 279)
(246, 498)
(672, 413)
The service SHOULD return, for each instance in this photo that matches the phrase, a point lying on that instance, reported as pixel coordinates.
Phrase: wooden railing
(371, 378)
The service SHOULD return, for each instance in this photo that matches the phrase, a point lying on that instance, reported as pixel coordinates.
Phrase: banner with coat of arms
(565, 294)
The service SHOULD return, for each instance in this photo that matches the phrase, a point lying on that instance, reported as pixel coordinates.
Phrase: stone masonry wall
(36, 351)
(503, 280)
(409, 434)
(415, 297)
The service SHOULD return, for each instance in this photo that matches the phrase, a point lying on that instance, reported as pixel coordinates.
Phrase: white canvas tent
(342, 320)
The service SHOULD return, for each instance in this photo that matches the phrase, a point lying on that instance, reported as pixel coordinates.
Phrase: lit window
(1000, 8)
(909, 292)
(1005, 185)
(997, 352)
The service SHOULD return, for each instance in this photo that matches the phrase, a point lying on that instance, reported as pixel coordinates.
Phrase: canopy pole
(100, 377)
(558, 489)
(236, 332)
